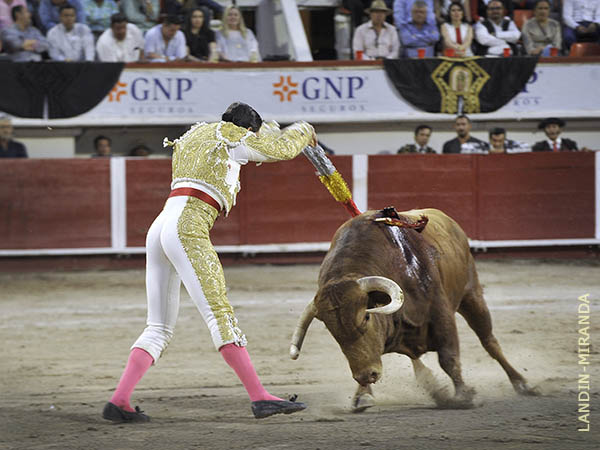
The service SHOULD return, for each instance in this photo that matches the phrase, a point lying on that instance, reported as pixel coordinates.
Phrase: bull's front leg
(363, 399)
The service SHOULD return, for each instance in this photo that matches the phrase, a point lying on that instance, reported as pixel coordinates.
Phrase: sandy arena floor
(66, 337)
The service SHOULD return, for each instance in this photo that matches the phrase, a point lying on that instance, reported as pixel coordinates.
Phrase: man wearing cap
(8, 147)
(165, 42)
(377, 39)
(552, 128)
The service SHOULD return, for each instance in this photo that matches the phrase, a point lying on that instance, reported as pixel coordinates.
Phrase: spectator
(464, 142)
(143, 13)
(403, 12)
(183, 7)
(457, 34)
(499, 143)
(23, 42)
(5, 8)
(102, 147)
(8, 147)
(140, 151)
(541, 33)
(235, 42)
(122, 42)
(165, 42)
(50, 12)
(200, 39)
(581, 20)
(496, 33)
(479, 9)
(377, 39)
(442, 10)
(422, 135)
(70, 41)
(552, 129)
(418, 33)
(98, 14)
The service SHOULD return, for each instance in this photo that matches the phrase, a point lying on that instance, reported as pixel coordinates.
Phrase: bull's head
(350, 310)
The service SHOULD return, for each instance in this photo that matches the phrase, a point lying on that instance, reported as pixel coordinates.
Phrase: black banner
(453, 85)
(70, 88)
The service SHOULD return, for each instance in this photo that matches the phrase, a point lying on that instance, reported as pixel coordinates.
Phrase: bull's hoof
(462, 400)
(362, 403)
(522, 388)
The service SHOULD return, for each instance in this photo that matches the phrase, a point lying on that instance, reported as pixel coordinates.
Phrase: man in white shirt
(166, 42)
(70, 41)
(377, 39)
(122, 42)
(496, 33)
(581, 19)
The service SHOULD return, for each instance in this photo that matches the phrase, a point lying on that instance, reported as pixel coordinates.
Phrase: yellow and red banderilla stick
(331, 178)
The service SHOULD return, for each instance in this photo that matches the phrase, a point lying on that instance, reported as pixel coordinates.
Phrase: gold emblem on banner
(457, 78)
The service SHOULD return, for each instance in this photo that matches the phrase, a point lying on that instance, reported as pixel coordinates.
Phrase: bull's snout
(367, 377)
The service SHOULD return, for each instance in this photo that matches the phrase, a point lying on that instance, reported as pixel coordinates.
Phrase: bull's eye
(367, 317)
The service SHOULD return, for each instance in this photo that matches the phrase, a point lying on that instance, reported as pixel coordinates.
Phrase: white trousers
(178, 248)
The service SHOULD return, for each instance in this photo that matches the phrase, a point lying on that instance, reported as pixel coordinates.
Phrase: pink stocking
(138, 363)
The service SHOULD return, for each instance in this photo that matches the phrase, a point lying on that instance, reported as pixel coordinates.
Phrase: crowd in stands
(177, 30)
(427, 28)
(124, 31)
(498, 142)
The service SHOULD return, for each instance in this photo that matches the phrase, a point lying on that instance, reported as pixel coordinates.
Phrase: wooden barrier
(66, 204)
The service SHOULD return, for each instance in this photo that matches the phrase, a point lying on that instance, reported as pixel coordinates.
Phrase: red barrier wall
(54, 203)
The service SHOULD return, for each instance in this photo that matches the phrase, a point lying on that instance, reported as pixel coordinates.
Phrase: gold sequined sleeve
(288, 144)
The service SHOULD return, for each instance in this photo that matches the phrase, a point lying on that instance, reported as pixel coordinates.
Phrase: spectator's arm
(151, 49)
(447, 40)
(468, 39)
(139, 40)
(568, 14)
(557, 37)
(409, 39)
(484, 37)
(398, 17)
(104, 51)
(88, 44)
(181, 47)
(252, 46)
(433, 35)
(511, 35)
(358, 42)
(11, 39)
(53, 46)
(527, 42)
(395, 53)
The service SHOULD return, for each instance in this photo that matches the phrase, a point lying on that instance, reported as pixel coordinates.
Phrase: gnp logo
(318, 88)
(152, 89)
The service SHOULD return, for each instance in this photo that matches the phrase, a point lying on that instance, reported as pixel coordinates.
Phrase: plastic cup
(506, 52)
(421, 53)
(449, 52)
(359, 55)
(553, 51)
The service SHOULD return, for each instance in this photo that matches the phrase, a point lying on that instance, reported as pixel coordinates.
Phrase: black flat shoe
(116, 414)
(266, 408)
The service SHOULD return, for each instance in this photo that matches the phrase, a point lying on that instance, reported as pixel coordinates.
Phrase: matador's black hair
(243, 115)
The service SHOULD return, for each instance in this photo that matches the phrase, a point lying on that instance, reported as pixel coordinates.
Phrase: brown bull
(385, 288)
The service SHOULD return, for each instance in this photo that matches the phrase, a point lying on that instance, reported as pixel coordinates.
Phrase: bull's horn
(386, 285)
(304, 321)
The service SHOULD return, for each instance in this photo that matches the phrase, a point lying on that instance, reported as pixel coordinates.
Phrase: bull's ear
(415, 310)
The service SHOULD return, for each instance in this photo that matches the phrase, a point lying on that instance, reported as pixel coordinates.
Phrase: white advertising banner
(155, 95)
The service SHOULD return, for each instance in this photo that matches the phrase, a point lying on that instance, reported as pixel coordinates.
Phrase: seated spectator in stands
(581, 20)
(540, 33)
(122, 42)
(422, 135)
(499, 143)
(98, 14)
(183, 7)
(140, 151)
(479, 9)
(403, 12)
(377, 39)
(142, 13)
(357, 10)
(552, 129)
(70, 41)
(8, 147)
(22, 41)
(5, 8)
(200, 39)
(165, 42)
(464, 142)
(457, 34)
(50, 12)
(418, 33)
(442, 10)
(235, 42)
(102, 147)
(497, 32)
